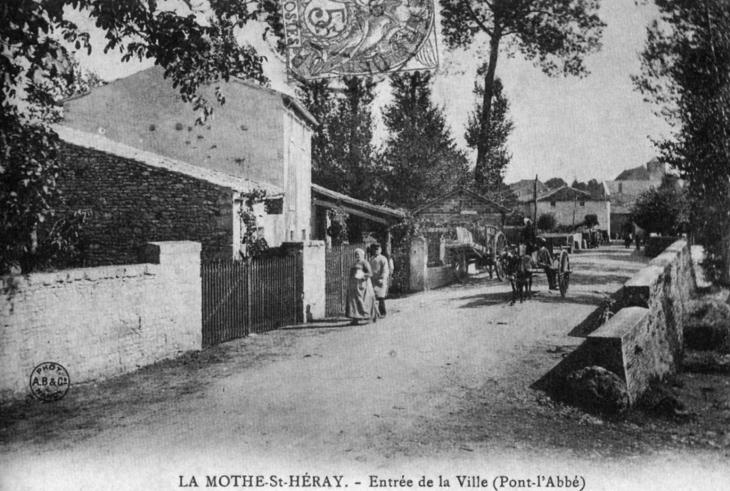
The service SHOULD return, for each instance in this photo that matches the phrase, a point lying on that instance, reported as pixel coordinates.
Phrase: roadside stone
(598, 390)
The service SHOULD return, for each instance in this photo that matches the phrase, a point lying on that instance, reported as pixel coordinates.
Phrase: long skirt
(360, 299)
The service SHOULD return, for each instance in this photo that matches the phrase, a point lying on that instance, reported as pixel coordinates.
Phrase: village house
(525, 192)
(570, 206)
(628, 186)
(145, 172)
(462, 205)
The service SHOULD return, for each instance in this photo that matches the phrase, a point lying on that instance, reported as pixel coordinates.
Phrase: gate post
(419, 264)
(311, 278)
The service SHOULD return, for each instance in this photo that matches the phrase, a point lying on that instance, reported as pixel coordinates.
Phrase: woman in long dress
(360, 294)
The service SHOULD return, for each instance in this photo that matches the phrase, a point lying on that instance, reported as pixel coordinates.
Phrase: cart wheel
(564, 273)
(500, 244)
(499, 268)
(460, 271)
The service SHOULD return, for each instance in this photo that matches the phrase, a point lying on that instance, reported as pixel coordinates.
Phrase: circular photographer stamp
(49, 381)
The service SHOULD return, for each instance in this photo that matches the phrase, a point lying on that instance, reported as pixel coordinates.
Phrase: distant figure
(381, 274)
(638, 242)
(360, 294)
(628, 239)
(527, 238)
(545, 261)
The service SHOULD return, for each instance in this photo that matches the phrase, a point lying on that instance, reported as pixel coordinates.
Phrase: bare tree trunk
(480, 171)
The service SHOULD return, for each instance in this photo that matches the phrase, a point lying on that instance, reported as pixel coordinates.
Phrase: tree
(662, 210)
(194, 47)
(343, 156)
(320, 99)
(686, 74)
(555, 183)
(354, 161)
(420, 155)
(547, 222)
(579, 185)
(591, 220)
(595, 188)
(555, 34)
(491, 174)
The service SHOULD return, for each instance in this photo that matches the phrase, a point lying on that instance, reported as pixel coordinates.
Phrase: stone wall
(439, 276)
(644, 339)
(312, 276)
(131, 204)
(103, 321)
(421, 276)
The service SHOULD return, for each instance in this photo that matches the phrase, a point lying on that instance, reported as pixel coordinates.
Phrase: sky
(573, 128)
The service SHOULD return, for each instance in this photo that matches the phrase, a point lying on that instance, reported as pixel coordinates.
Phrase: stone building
(626, 188)
(133, 197)
(463, 206)
(259, 136)
(570, 206)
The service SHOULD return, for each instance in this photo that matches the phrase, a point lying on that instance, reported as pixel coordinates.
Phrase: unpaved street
(441, 386)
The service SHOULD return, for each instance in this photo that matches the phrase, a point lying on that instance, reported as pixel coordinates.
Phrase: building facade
(570, 206)
(258, 135)
(132, 197)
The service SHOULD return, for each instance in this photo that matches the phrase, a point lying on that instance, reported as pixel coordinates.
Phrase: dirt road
(439, 387)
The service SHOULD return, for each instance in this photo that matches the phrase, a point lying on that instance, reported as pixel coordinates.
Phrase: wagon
(465, 251)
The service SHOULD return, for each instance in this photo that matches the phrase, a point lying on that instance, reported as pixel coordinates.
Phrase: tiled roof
(356, 202)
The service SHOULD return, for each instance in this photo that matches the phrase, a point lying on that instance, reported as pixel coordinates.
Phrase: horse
(520, 274)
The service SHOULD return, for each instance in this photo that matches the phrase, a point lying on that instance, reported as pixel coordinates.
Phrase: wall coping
(621, 323)
(650, 274)
(9, 282)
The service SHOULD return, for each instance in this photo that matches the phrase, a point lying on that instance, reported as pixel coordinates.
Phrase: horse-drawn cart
(495, 254)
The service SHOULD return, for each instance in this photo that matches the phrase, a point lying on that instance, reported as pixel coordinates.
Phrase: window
(582, 203)
(552, 204)
(291, 236)
(620, 188)
(304, 234)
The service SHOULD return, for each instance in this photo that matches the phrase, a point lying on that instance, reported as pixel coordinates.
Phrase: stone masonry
(131, 203)
(644, 339)
(103, 321)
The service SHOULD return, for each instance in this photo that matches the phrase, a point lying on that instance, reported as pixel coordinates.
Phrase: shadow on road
(597, 280)
(542, 296)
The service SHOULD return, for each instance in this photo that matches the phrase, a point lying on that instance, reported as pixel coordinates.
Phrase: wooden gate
(338, 260)
(240, 298)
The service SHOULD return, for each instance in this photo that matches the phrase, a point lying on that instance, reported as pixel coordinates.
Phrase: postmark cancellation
(336, 38)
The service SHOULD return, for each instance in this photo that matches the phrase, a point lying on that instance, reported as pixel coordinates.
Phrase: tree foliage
(555, 34)
(547, 222)
(555, 183)
(195, 46)
(420, 157)
(343, 156)
(686, 73)
(490, 175)
(663, 210)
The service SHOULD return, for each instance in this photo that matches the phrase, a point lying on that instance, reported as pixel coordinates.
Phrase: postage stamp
(49, 381)
(335, 38)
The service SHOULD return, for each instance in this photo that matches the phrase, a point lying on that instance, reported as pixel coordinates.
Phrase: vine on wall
(338, 225)
(251, 244)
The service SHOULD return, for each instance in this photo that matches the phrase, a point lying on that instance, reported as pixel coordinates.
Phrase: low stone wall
(421, 276)
(643, 340)
(103, 321)
(439, 276)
